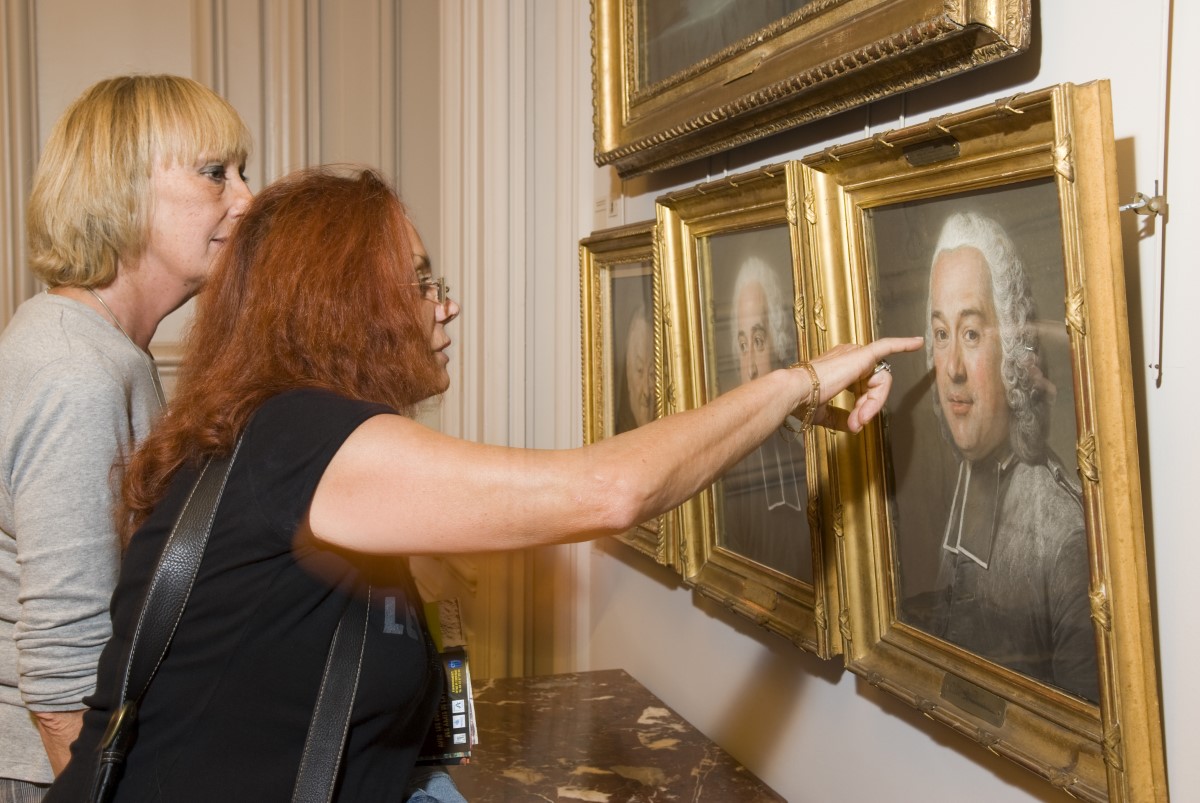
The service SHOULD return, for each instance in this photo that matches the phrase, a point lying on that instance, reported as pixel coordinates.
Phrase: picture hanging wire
(1154, 206)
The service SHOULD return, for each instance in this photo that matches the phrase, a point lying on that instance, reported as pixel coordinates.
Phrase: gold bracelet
(787, 425)
(813, 398)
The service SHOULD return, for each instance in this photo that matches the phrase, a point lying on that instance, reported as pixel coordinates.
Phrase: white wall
(809, 728)
(1171, 453)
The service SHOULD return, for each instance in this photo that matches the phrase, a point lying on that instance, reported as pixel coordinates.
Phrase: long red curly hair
(316, 288)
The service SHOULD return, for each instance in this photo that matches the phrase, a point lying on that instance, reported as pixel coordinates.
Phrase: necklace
(151, 366)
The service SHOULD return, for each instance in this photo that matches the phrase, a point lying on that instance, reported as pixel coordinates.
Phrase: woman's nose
(242, 197)
(448, 311)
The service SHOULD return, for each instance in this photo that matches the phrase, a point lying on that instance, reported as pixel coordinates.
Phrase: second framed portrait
(736, 303)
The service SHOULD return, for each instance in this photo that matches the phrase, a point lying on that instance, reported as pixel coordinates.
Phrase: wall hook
(1156, 205)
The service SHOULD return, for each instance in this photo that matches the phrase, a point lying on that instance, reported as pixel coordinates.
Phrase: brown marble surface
(599, 737)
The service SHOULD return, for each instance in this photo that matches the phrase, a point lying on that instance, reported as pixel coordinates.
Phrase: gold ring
(882, 365)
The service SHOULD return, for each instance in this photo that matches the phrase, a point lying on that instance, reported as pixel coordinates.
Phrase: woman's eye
(214, 172)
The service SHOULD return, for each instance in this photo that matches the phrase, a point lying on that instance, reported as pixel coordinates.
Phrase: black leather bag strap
(161, 611)
(173, 578)
(163, 608)
(326, 740)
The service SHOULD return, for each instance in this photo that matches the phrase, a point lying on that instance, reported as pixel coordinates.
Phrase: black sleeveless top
(226, 715)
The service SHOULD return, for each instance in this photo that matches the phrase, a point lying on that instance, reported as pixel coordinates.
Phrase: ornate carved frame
(1062, 135)
(829, 56)
(602, 256)
(794, 608)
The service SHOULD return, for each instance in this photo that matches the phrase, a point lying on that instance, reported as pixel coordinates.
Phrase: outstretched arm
(400, 488)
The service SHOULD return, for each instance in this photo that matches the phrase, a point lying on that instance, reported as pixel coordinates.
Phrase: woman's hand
(847, 363)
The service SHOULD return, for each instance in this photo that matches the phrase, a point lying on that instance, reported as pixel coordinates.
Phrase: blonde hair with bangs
(91, 201)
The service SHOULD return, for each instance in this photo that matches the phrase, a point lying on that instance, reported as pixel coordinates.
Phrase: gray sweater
(75, 396)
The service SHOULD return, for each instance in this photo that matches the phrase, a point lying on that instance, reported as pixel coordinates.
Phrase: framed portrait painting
(996, 571)
(676, 80)
(622, 350)
(736, 299)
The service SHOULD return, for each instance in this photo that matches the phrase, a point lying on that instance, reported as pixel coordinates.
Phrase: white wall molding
(482, 198)
(511, 130)
(291, 68)
(210, 64)
(510, 124)
(389, 88)
(18, 148)
(558, 136)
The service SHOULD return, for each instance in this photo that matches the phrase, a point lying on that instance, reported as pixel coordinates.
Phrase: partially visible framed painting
(676, 80)
(738, 296)
(995, 565)
(623, 350)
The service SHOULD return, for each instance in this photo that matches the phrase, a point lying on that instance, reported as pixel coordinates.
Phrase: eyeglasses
(435, 290)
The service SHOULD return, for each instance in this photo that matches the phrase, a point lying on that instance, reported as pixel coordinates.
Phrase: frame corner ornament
(1064, 158)
(1101, 611)
(1085, 455)
(1113, 750)
(1077, 311)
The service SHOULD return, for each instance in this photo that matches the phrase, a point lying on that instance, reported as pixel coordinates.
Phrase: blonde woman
(139, 187)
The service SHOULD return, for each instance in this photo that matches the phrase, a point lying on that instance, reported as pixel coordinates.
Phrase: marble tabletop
(599, 737)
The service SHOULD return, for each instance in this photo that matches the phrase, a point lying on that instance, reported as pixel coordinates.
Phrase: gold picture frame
(742, 71)
(623, 361)
(997, 590)
(737, 303)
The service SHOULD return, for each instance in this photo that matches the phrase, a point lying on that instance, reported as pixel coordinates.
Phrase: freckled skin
(195, 209)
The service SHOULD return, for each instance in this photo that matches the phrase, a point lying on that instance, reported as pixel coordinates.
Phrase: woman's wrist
(809, 403)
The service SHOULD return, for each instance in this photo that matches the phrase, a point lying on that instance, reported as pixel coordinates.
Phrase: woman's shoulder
(66, 377)
(289, 443)
(307, 424)
(314, 406)
(63, 339)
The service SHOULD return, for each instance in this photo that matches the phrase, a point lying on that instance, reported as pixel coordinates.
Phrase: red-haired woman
(319, 331)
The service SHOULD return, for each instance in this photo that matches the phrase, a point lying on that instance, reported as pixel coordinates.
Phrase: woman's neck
(131, 311)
